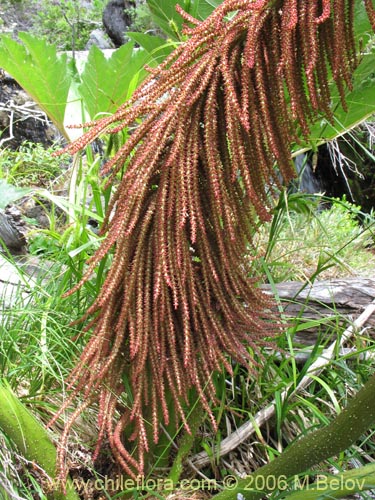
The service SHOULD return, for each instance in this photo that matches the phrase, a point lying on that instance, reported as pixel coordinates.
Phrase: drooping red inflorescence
(216, 116)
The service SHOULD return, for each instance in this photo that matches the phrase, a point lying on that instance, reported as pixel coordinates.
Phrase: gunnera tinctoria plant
(213, 120)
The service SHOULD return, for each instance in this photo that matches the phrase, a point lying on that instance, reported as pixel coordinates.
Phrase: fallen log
(338, 300)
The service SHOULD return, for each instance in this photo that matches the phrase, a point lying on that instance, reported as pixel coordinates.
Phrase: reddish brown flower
(217, 115)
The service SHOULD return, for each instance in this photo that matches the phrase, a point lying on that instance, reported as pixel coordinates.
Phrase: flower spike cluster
(216, 116)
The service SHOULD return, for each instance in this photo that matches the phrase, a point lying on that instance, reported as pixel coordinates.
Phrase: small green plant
(32, 165)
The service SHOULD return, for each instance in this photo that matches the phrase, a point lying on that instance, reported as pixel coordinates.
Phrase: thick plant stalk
(186, 443)
(31, 439)
(317, 446)
(340, 485)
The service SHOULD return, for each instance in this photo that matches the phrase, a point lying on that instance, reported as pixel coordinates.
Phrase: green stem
(31, 439)
(186, 443)
(317, 446)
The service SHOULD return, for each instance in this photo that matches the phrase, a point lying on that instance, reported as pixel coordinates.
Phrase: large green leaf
(40, 71)
(165, 16)
(108, 83)
(362, 27)
(206, 7)
(360, 104)
(157, 48)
